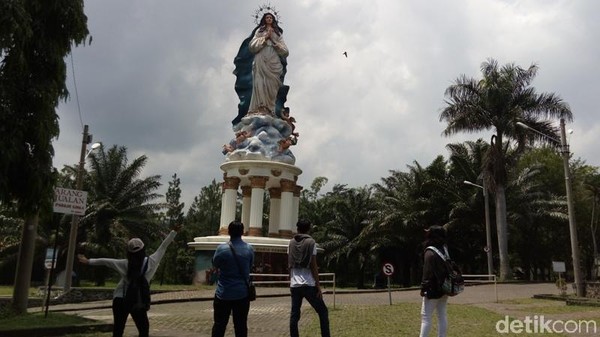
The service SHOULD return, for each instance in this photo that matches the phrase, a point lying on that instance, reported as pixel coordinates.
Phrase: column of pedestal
(286, 209)
(246, 199)
(228, 203)
(256, 204)
(296, 207)
(274, 209)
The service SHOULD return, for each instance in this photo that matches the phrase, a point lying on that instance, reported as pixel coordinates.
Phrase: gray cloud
(157, 78)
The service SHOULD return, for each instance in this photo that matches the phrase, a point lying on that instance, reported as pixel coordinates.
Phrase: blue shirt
(231, 284)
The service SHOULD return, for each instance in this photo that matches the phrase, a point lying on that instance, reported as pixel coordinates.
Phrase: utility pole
(579, 285)
(87, 138)
(488, 230)
(564, 150)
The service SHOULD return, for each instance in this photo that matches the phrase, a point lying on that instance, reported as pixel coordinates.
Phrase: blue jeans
(310, 293)
(222, 310)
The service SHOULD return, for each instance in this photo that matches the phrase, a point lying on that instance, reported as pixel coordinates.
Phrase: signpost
(66, 201)
(559, 267)
(50, 261)
(69, 201)
(388, 270)
(50, 264)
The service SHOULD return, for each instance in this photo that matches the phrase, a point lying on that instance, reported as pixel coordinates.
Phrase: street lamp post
(579, 285)
(488, 232)
(87, 138)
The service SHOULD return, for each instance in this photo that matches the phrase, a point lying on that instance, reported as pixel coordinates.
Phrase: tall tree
(35, 37)
(409, 202)
(203, 217)
(174, 206)
(313, 206)
(349, 239)
(174, 216)
(536, 219)
(592, 187)
(467, 215)
(498, 101)
(121, 204)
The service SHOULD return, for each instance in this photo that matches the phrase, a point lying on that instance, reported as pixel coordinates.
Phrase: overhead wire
(75, 86)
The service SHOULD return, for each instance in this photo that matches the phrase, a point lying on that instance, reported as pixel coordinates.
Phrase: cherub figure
(240, 137)
(285, 115)
(285, 143)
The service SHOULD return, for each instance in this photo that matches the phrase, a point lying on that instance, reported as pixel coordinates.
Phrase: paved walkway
(189, 313)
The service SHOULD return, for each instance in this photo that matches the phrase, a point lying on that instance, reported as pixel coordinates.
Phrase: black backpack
(137, 294)
(454, 282)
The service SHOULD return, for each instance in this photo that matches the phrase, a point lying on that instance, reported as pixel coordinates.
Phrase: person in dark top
(434, 272)
(304, 278)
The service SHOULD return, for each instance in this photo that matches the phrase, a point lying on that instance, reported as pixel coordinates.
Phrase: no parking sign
(388, 269)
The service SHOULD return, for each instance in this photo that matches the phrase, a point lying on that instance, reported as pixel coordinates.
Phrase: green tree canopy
(35, 37)
(497, 101)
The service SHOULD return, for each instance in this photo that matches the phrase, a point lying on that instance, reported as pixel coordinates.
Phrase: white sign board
(69, 201)
(558, 267)
(50, 261)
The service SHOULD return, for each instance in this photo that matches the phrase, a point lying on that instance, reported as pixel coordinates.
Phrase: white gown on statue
(266, 70)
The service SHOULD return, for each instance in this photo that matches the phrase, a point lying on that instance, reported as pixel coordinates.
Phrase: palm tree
(314, 206)
(536, 217)
(408, 203)
(498, 101)
(467, 216)
(121, 203)
(592, 186)
(350, 237)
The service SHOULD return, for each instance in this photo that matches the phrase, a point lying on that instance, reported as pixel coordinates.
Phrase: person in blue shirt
(231, 295)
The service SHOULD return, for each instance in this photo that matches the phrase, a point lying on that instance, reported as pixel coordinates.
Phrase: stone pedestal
(255, 177)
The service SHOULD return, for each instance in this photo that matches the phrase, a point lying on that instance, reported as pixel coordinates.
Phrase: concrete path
(189, 313)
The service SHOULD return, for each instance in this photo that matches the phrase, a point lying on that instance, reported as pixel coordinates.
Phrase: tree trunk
(25, 264)
(594, 244)
(502, 230)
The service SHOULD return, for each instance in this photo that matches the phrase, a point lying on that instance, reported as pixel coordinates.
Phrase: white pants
(427, 309)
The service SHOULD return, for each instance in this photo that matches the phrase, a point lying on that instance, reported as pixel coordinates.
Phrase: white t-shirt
(302, 276)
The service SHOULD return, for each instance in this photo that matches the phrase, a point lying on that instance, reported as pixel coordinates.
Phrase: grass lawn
(403, 319)
(33, 292)
(399, 319)
(35, 320)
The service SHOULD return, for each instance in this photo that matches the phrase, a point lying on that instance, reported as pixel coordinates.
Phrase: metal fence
(482, 278)
(324, 278)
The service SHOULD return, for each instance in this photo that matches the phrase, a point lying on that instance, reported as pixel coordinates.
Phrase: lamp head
(523, 125)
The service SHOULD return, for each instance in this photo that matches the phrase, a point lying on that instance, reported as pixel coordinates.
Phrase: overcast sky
(157, 78)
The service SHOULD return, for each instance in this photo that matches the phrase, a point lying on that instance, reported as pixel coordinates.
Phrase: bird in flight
(345, 54)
